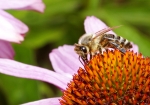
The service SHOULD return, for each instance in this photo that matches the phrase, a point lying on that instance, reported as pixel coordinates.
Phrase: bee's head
(85, 39)
(81, 50)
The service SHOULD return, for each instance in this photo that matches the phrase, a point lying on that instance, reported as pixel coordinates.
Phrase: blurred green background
(62, 23)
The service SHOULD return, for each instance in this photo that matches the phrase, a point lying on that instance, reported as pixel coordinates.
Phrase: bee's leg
(91, 56)
(123, 50)
(100, 50)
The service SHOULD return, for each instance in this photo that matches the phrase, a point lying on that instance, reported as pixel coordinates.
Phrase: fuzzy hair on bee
(91, 44)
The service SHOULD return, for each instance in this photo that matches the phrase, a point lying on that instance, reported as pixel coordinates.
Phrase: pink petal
(135, 48)
(65, 60)
(37, 5)
(93, 25)
(11, 29)
(50, 101)
(6, 50)
(17, 69)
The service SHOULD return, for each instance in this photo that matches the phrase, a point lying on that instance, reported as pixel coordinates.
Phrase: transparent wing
(105, 30)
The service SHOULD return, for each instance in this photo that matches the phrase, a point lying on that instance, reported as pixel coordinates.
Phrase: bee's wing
(103, 31)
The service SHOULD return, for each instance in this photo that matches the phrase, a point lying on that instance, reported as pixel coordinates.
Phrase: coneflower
(111, 78)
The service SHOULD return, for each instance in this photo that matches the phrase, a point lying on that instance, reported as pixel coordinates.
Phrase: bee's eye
(83, 48)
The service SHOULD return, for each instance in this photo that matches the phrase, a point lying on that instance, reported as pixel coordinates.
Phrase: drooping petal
(17, 69)
(37, 5)
(6, 50)
(93, 25)
(11, 29)
(65, 60)
(50, 101)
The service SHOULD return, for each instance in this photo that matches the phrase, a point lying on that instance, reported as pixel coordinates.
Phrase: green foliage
(62, 23)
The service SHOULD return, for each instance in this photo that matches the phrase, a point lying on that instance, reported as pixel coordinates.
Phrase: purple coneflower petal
(6, 50)
(65, 60)
(17, 69)
(135, 48)
(50, 101)
(93, 25)
(37, 5)
(11, 29)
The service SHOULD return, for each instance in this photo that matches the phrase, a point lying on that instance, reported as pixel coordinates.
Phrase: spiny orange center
(111, 78)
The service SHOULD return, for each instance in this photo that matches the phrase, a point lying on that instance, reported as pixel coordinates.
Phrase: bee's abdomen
(113, 41)
(123, 42)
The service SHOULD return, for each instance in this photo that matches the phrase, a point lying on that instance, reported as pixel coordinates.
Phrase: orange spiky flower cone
(111, 78)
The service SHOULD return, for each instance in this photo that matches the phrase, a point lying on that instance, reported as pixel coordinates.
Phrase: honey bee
(91, 44)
